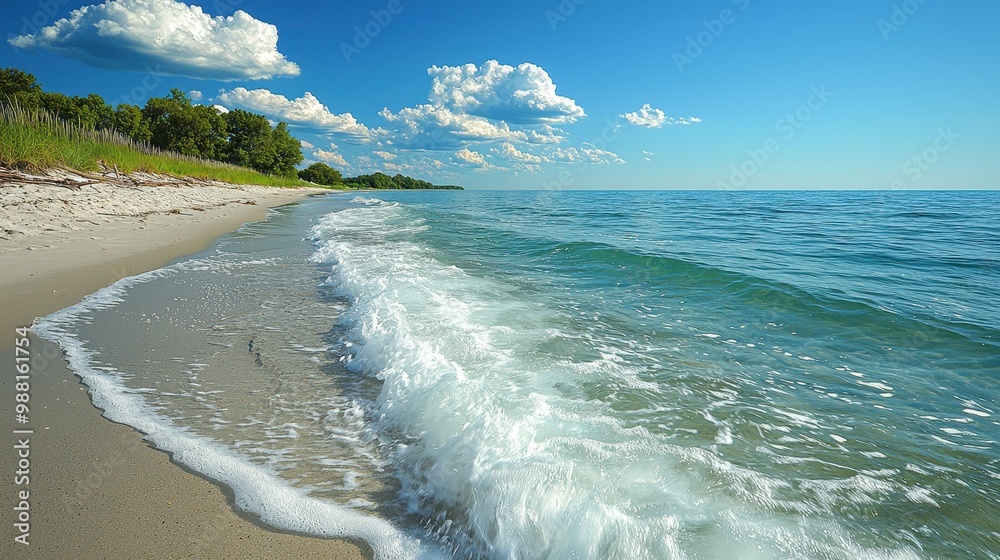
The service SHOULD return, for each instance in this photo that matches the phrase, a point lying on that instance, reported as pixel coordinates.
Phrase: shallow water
(582, 375)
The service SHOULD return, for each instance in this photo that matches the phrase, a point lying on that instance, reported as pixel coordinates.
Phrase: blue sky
(567, 94)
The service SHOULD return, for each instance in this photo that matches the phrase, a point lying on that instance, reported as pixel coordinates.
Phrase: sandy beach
(96, 489)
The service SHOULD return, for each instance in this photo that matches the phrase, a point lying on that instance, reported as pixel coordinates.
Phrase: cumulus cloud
(306, 112)
(331, 157)
(385, 155)
(491, 103)
(508, 151)
(519, 95)
(470, 158)
(195, 95)
(514, 112)
(430, 127)
(165, 37)
(588, 153)
(545, 134)
(649, 117)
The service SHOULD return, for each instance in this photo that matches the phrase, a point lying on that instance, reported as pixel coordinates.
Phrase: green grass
(37, 140)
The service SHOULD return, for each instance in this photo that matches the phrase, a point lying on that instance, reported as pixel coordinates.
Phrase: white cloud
(545, 134)
(331, 157)
(588, 153)
(508, 151)
(424, 166)
(366, 164)
(195, 95)
(306, 145)
(470, 158)
(512, 111)
(648, 155)
(305, 112)
(430, 127)
(222, 110)
(487, 104)
(649, 117)
(165, 37)
(521, 95)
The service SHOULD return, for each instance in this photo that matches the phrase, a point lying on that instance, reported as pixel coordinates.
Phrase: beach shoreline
(95, 488)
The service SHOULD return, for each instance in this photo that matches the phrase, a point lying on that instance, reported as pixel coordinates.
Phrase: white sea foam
(505, 457)
(256, 491)
(366, 201)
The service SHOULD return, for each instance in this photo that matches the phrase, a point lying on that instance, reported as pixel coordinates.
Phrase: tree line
(170, 123)
(380, 180)
(323, 174)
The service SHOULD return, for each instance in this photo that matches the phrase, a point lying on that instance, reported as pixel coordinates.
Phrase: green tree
(287, 151)
(128, 120)
(93, 111)
(321, 174)
(381, 180)
(59, 105)
(20, 86)
(88, 111)
(400, 181)
(251, 143)
(210, 132)
(177, 125)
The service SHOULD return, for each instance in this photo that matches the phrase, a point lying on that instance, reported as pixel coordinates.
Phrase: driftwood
(8, 177)
(109, 175)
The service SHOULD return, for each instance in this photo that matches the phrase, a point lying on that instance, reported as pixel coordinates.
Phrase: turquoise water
(582, 374)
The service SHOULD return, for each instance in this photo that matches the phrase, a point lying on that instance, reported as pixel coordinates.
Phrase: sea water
(607, 375)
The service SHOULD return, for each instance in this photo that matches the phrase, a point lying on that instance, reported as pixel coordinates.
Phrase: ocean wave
(501, 452)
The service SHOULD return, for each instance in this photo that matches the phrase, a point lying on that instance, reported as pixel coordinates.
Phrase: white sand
(62, 202)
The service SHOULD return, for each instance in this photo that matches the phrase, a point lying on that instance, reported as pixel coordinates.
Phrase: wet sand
(96, 489)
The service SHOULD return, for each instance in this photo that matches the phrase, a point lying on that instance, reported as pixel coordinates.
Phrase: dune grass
(36, 140)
